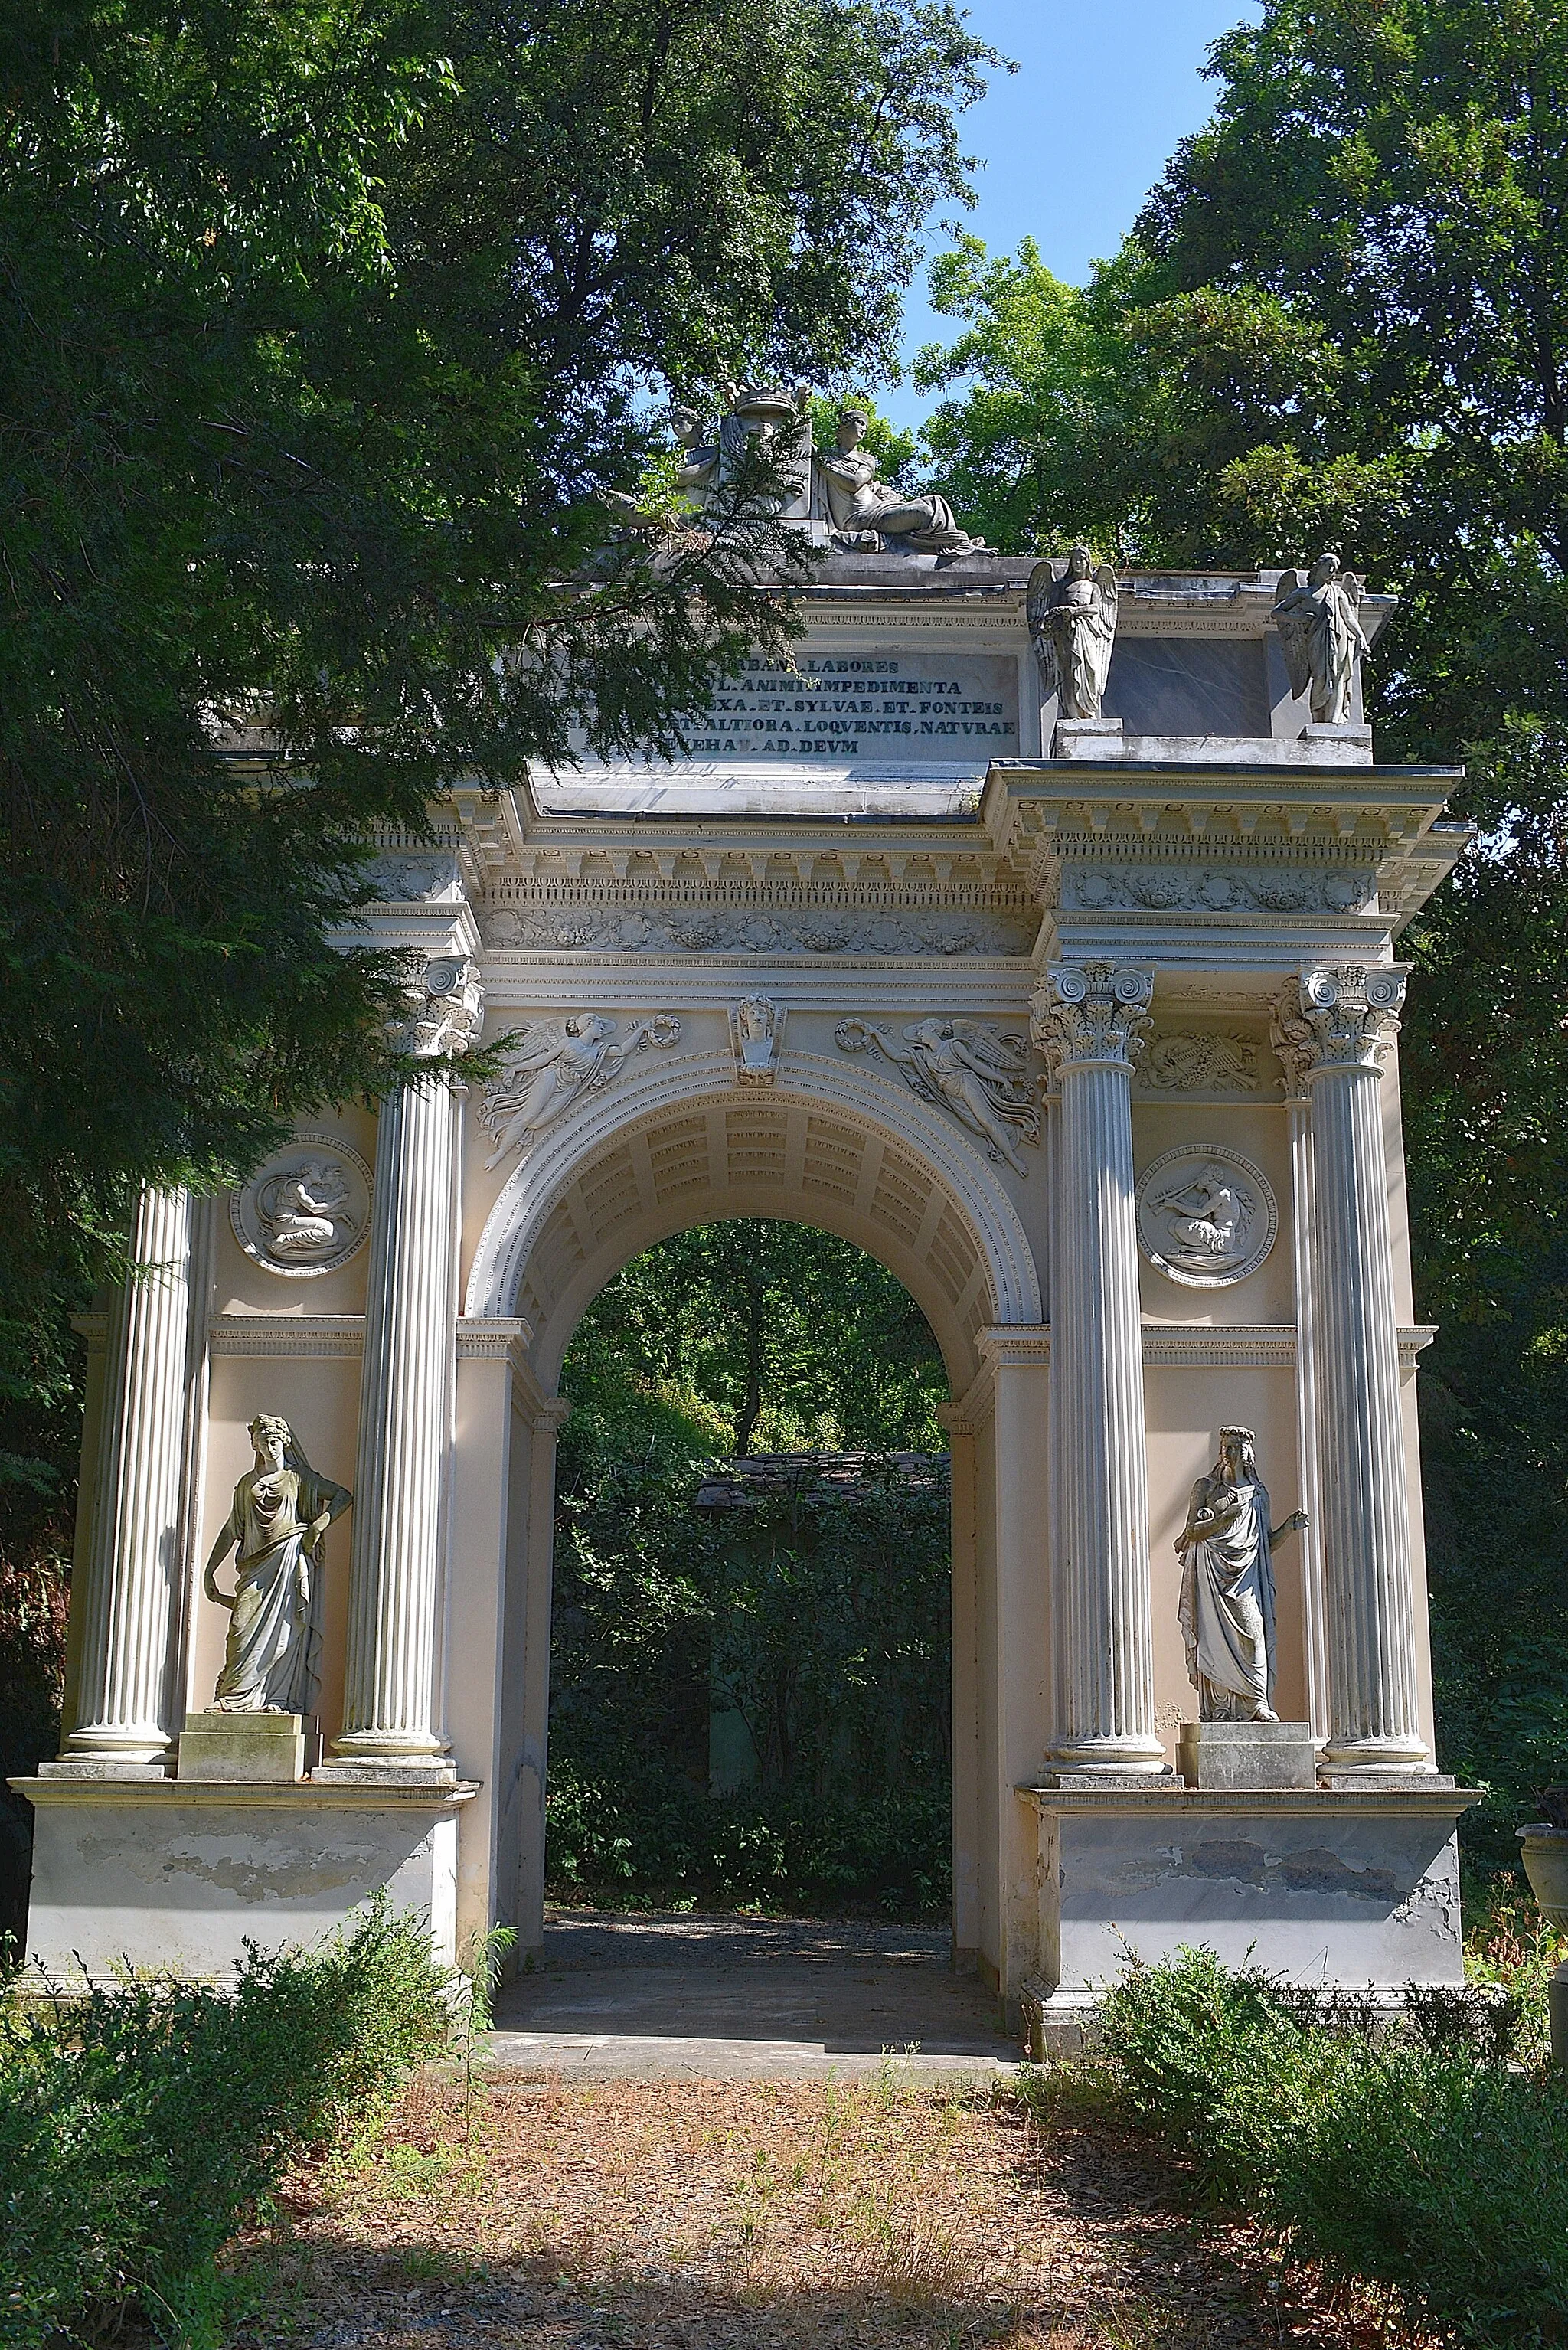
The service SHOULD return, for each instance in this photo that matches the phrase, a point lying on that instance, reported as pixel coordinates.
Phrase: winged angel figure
(555, 1061)
(1318, 618)
(1072, 625)
(979, 1074)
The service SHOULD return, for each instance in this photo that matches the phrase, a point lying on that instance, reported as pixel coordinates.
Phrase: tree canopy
(1342, 318)
(330, 328)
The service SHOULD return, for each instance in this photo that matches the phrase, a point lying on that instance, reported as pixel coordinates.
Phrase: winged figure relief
(556, 1060)
(974, 1071)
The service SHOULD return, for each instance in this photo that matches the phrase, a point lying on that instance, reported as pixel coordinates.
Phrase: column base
(386, 1770)
(105, 1766)
(1124, 1758)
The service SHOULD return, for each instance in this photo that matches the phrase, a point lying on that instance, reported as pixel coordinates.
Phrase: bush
(140, 2124)
(790, 1850)
(1422, 2156)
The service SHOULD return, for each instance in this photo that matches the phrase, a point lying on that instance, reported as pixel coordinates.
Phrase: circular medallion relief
(306, 1211)
(1206, 1218)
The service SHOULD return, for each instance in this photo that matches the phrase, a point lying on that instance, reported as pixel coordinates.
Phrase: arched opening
(751, 1671)
(676, 1143)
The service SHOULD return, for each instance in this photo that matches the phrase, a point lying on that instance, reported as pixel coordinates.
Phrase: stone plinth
(241, 1749)
(1230, 1758)
(181, 1876)
(1359, 1890)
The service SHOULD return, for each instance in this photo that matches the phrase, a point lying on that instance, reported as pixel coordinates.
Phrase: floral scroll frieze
(1218, 890)
(740, 929)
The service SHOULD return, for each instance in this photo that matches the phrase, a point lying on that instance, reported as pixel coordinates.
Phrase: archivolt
(677, 1144)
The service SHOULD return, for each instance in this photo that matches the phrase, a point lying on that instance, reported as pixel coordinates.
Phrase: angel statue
(961, 1065)
(1073, 623)
(857, 501)
(1324, 644)
(555, 1061)
(281, 1510)
(1209, 1220)
(1227, 1606)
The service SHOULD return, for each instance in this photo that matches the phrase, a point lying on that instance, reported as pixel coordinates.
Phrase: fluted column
(394, 1697)
(131, 1607)
(1298, 1113)
(1089, 1022)
(1334, 1028)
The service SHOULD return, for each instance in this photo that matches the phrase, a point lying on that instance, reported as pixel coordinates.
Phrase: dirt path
(742, 2215)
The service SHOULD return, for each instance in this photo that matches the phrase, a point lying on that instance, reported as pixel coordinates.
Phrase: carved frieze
(306, 1211)
(977, 1073)
(588, 929)
(1218, 889)
(553, 1062)
(1200, 1060)
(1206, 1216)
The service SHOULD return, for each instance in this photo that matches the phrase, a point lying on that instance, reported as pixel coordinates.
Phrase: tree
(330, 328)
(1344, 319)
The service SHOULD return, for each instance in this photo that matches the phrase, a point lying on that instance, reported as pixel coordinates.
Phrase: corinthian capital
(1091, 1012)
(1344, 1018)
(447, 1007)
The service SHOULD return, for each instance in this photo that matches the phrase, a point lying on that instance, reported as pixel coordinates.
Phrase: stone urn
(1545, 1850)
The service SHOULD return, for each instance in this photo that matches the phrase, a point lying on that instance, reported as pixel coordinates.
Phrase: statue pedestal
(242, 1749)
(179, 1876)
(1234, 1758)
(1085, 738)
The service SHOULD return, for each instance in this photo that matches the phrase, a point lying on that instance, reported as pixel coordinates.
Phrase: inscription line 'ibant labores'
(836, 706)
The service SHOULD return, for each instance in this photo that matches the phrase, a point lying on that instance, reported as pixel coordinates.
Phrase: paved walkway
(722, 1998)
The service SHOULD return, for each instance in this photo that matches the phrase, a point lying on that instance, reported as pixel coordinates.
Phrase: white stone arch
(676, 1142)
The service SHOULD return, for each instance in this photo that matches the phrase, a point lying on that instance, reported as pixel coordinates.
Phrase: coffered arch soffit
(679, 1143)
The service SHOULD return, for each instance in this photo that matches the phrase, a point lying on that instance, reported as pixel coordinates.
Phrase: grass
(739, 2215)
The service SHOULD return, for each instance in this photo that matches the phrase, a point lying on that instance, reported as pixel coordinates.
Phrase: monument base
(1359, 1891)
(241, 1749)
(179, 1875)
(1230, 1758)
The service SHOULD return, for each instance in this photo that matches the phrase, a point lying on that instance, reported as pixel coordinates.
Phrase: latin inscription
(868, 706)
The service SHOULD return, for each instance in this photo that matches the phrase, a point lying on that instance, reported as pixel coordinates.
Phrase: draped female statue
(281, 1510)
(1227, 1604)
(857, 501)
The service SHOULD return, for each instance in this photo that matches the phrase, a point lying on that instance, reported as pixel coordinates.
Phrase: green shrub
(787, 1847)
(139, 2123)
(1422, 2156)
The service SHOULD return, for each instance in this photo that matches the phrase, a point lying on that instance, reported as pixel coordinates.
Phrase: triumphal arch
(1035, 928)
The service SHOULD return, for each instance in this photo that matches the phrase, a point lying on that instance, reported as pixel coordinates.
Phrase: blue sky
(1071, 142)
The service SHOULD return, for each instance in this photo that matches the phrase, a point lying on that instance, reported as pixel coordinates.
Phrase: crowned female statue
(281, 1510)
(1227, 1606)
(857, 501)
